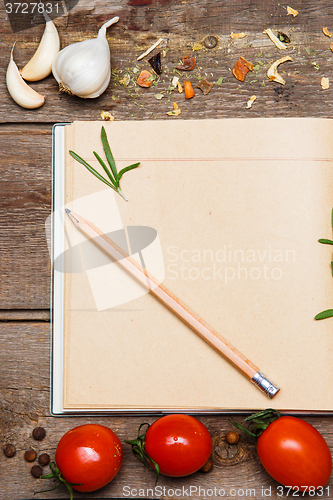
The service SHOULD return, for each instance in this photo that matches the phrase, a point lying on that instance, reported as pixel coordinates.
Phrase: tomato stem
(258, 422)
(58, 479)
(138, 450)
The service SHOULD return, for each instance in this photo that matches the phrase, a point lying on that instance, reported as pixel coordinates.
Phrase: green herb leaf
(91, 169)
(126, 169)
(219, 81)
(105, 168)
(325, 314)
(108, 154)
(327, 242)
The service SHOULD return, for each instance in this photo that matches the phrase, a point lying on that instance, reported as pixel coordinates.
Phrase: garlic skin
(20, 91)
(84, 68)
(40, 65)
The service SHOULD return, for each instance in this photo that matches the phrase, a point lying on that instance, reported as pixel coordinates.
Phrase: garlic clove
(20, 91)
(84, 68)
(40, 65)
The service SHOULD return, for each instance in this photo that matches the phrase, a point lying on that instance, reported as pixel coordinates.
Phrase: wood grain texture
(24, 403)
(25, 199)
(25, 203)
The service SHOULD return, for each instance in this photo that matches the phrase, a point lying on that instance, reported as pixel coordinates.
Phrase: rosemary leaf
(106, 170)
(108, 154)
(325, 314)
(126, 169)
(327, 242)
(91, 169)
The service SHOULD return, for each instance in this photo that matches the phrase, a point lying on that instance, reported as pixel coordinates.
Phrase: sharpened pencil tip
(67, 211)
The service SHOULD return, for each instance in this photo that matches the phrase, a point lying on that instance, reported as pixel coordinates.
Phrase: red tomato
(179, 444)
(295, 454)
(90, 456)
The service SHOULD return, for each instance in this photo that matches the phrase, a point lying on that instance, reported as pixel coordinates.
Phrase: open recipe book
(227, 215)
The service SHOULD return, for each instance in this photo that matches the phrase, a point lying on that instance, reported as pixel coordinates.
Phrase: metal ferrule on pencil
(267, 387)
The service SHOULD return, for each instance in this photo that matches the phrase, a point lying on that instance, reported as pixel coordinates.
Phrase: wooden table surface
(25, 190)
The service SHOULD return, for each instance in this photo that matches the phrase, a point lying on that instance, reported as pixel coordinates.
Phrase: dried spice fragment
(210, 42)
(175, 112)
(325, 83)
(237, 36)
(188, 64)
(105, 115)
(291, 12)
(197, 46)
(145, 79)
(283, 37)
(250, 101)
(155, 63)
(158, 96)
(272, 73)
(188, 89)
(180, 88)
(125, 81)
(327, 33)
(275, 39)
(331, 46)
(150, 49)
(242, 67)
(205, 86)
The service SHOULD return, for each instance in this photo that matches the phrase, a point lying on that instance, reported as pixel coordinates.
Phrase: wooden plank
(25, 201)
(182, 25)
(24, 315)
(24, 404)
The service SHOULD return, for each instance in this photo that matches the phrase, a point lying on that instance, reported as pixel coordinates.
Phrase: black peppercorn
(30, 455)
(9, 450)
(36, 471)
(208, 466)
(39, 433)
(44, 459)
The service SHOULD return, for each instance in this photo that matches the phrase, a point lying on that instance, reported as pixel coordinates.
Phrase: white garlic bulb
(20, 91)
(84, 68)
(40, 65)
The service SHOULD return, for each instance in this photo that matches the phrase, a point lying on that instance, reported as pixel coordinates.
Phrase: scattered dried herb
(39, 433)
(232, 437)
(208, 466)
(44, 459)
(36, 471)
(155, 63)
(145, 79)
(111, 171)
(30, 455)
(188, 64)
(205, 86)
(242, 67)
(283, 37)
(9, 450)
(219, 81)
(188, 89)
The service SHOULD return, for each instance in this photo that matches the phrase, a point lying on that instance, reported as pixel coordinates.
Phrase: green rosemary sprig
(111, 170)
(329, 312)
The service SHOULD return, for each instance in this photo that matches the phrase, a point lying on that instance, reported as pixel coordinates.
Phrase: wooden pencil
(169, 300)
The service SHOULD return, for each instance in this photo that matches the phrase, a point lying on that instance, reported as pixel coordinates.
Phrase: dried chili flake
(145, 79)
(188, 89)
(205, 86)
(188, 64)
(155, 63)
(242, 67)
(327, 33)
